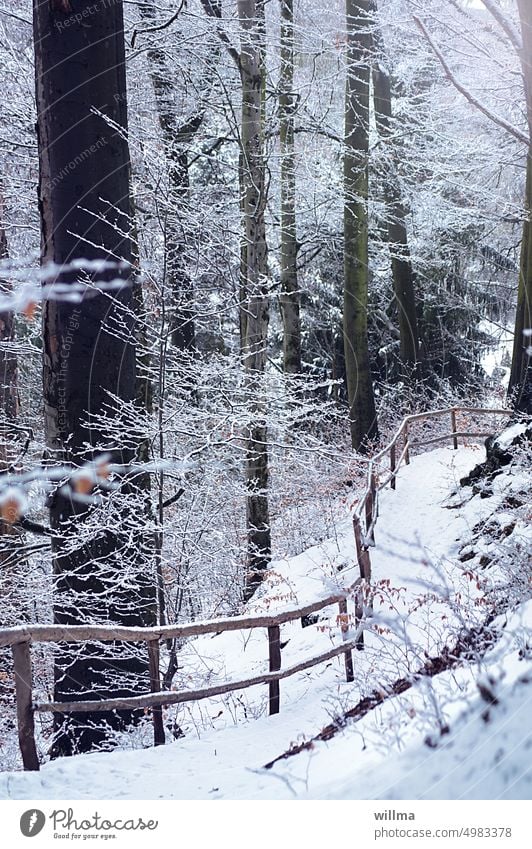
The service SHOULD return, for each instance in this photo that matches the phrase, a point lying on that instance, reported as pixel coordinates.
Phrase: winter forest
(265, 398)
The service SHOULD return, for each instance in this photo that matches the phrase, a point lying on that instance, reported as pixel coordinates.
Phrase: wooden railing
(20, 639)
(364, 521)
(398, 451)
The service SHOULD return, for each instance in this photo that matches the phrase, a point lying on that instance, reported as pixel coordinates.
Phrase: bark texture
(88, 349)
(402, 272)
(254, 293)
(10, 538)
(290, 306)
(362, 415)
(8, 359)
(177, 135)
(520, 385)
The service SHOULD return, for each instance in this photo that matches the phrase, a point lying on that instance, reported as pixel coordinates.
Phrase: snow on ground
(505, 439)
(428, 599)
(496, 359)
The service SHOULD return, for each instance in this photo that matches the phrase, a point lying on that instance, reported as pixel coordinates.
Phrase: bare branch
(80, 633)
(497, 119)
(157, 27)
(174, 498)
(34, 527)
(505, 23)
(213, 11)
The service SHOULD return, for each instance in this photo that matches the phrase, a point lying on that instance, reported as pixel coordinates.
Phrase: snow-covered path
(228, 740)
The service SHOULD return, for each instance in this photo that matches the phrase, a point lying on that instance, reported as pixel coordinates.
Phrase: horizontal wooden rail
(364, 521)
(454, 435)
(20, 639)
(103, 633)
(367, 508)
(415, 417)
(172, 697)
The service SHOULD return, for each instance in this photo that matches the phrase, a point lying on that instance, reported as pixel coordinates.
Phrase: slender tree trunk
(520, 385)
(362, 415)
(8, 359)
(84, 199)
(289, 287)
(10, 540)
(177, 136)
(402, 273)
(254, 290)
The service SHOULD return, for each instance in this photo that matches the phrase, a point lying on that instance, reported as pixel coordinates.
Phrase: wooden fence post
(371, 501)
(453, 428)
(406, 437)
(23, 690)
(344, 626)
(392, 465)
(364, 564)
(359, 614)
(274, 643)
(375, 505)
(368, 507)
(155, 687)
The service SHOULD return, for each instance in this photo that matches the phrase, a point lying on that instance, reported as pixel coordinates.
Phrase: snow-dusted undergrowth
(450, 563)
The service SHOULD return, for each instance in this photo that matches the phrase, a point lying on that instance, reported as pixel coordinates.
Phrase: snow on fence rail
(21, 637)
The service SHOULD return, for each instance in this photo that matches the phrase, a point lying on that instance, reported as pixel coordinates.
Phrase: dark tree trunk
(8, 359)
(362, 415)
(520, 385)
(402, 273)
(88, 350)
(289, 287)
(10, 538)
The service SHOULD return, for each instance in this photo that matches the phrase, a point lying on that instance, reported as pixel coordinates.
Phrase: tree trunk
(362, 415)
(10, 538)
(84, 199)
(254, 291)
(8, 359)
(402, 273)
(177, 136)
(289, 288)
(520, 385)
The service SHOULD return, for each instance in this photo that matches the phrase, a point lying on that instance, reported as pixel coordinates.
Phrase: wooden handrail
(172, 697)
(364, 521)
(432, 414)
(20, 639)
(454, 435)
(102, 633)
(366, 513)
(404, 429)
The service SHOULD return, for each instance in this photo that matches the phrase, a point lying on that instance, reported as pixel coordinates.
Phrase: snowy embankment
(461, 733)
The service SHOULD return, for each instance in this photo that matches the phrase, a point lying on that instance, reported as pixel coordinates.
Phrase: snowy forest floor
(441, 569)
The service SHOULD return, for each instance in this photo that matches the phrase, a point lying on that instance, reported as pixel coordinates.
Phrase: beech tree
(88, 350)
(9, 402)
(519, 387)
(402, 272)
(178, 131)
(362, 414)
(254, 306)
(289, 297)
(8, 358)
(520, 384)
(389, 208)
